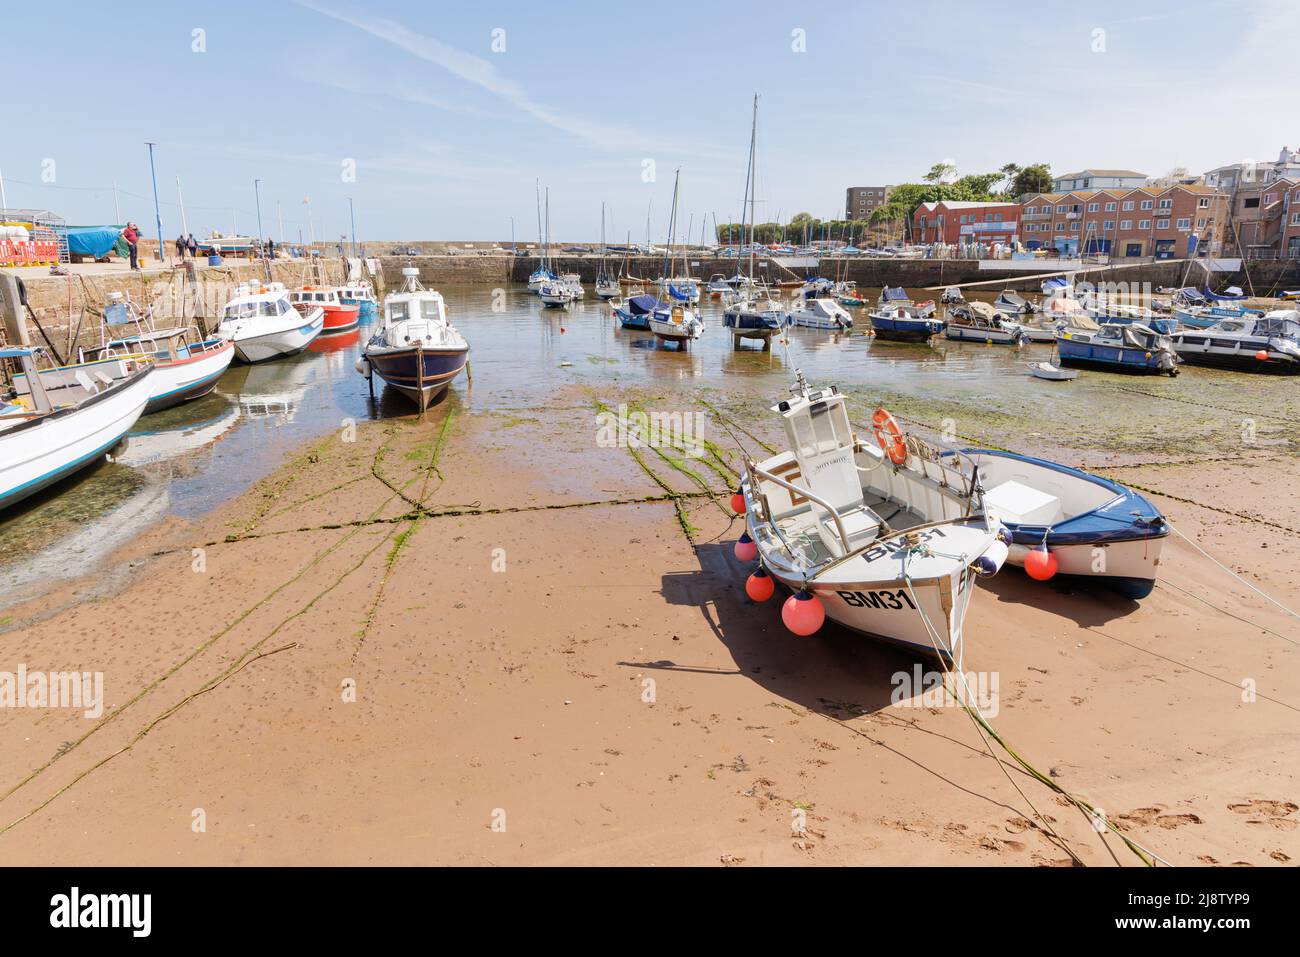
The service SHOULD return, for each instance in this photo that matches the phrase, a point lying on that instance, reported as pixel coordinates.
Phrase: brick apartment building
(861, 201)
(1265, 219)
(1171, 223)
(965, 222)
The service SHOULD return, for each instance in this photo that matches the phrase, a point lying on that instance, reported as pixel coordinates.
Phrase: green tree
(1031, 179)
(940, 173)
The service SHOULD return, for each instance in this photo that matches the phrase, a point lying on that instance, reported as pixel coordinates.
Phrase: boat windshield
(247, 310)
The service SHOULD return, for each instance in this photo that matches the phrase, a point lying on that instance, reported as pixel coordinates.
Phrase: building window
(1144, 224)
(1060, 209)
(1128, 205)
(1200, 223)
(1250, 203)
(1146, 204)
(1126, 224)
(1162, 224)
(1295, 219)
(1110, 207)
(1074, 226)
(1108, 225)
(1269, 199)
(1094, 207)
(1204, 203)
(1166, 204)
(1060, 227)
(1185, 223)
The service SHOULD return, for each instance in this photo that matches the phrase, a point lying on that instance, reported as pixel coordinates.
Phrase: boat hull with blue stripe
(1099, 531)
(81, 424)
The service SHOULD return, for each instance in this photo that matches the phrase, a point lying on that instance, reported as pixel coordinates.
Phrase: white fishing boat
(980, 322)
(417, 351)
(885, 538)
(717, 285)
(573, 283)
(819, 314)
(60, 420)
(187, 365)
(264, 325)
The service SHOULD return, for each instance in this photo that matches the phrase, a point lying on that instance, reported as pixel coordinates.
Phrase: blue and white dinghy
(1092, 528)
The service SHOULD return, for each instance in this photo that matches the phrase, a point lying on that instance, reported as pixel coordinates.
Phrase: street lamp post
(157, 210)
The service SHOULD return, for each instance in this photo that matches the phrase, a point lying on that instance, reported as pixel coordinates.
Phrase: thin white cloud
(485, 75)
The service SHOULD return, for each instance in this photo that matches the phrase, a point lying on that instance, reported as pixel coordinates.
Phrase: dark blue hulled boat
(905, 324)
(635, 311)
(1093, 529)
(1129, 347)
(417, 352)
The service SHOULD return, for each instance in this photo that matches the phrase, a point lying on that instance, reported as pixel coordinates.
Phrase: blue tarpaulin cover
(94, 241)
(643, 305)
(896, 294)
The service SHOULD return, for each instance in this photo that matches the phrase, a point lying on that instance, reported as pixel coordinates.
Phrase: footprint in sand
(1272, 813)
(1155, 816)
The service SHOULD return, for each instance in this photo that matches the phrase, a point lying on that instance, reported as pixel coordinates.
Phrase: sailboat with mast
(675, 321)
(754, 314)
(543, 274)
(555, 291)
(607, 286)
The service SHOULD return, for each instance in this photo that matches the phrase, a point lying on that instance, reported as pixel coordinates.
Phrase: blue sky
(448, 135)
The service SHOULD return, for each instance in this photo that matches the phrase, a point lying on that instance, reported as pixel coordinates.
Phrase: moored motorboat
(1091, 528)
(263, 325)
(340, 316)
(60, 420)
(886, 539)
(1012, 304)
(1268, 343)
(904, 324)
(952, 296)
(360, 293)
(980, 322)
(819, 313)
(417, 351)
(187, 365)
(1118, 347)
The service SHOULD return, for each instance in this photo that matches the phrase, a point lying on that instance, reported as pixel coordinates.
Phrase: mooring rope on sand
(1093, 815)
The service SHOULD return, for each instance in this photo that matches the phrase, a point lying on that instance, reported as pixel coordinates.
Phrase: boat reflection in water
(145, 446)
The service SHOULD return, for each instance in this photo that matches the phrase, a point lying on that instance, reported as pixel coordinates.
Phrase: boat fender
(1040, 564)
(889, 436)
(363, 366)
(803, 613)
(738, 502)
(759, 586)
(745, 549)
(991, 562)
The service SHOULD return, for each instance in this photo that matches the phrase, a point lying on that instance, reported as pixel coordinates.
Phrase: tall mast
(750, 186)
(537, 186)
(546, 249)
(672, 229)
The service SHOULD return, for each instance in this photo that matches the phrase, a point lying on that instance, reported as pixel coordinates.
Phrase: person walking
(132, 236)
(180, 248)
(193, 246)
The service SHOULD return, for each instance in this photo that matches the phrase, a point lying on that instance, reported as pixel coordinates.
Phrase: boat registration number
(887, 599)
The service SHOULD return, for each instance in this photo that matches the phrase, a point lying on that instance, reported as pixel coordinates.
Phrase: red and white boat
(340, 316)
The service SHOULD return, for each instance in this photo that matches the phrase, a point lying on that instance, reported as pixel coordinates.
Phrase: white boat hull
(997, 337)
(1128, 560)
(38, 455)
(254, 346)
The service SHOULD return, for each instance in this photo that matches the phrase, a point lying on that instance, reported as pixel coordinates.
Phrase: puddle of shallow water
(187, 460)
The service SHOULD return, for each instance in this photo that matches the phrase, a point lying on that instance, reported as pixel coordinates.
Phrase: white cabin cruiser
(888, 538)
(820, 314)
(675, 323)
(1268, 343)
(556, 293)
(264, 325)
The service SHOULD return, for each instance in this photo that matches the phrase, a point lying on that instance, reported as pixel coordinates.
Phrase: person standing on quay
(132, 236)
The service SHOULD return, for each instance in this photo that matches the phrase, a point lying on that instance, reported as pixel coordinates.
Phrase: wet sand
(554, 662)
